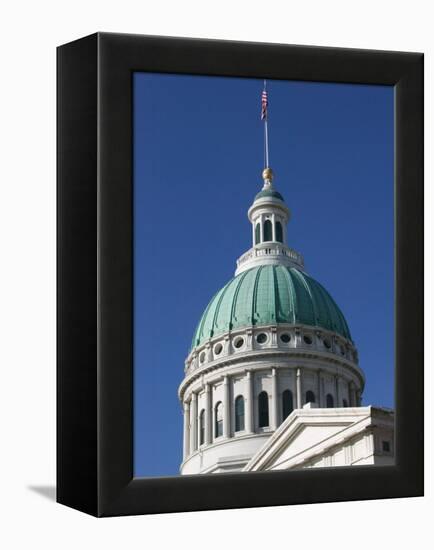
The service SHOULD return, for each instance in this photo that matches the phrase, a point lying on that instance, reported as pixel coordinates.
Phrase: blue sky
(198, 157)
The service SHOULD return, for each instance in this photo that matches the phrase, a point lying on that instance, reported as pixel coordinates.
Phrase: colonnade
(260, 220)
(196, 434)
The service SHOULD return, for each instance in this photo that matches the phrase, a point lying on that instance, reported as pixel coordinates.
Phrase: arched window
(345, 403)
(263, 409)
(268, 231)
(310, 397)
(202, 427)
(218, 423)
(279, 232)
(287, 404)
(239, 413)
(258, 233)
(330, 401)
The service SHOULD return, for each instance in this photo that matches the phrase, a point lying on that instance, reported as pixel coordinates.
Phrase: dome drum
(286, 345)
(288, 338)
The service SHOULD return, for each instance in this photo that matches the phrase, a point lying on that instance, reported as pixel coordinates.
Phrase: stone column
(323, 393)
(352, 395)
(358, 398)
(274, 337)
(320, 397)
(261, 221)
(249, 403)
(334, 343)
(299, 401)
(208, 415)
(249, 339)
(337, 391)
(273, 224)
(297, 338)
(226, 408)
(227, 349)
(274, 401)
(186, 429)
(193, 431)
(208, 353)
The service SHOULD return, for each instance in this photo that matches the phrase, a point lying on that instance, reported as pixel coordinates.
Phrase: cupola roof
(265, 193)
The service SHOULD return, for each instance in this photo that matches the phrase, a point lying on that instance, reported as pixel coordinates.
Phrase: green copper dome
(269, 193)
(269, 295)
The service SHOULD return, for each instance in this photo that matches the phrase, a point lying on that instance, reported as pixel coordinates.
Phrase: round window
(285, 338)
(261, 338)
(239, 342)
(307, 339)
(327, 344)
(202, 357)
(218, 349)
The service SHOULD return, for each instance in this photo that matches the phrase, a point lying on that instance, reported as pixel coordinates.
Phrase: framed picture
(240, 274)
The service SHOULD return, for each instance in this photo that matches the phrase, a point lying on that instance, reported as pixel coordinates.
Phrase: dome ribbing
(269, 295)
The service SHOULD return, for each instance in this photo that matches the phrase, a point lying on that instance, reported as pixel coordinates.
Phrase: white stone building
(272, 380)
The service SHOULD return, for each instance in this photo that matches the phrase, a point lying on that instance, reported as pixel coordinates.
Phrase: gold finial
(267, 174)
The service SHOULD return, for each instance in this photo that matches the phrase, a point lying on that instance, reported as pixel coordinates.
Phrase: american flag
(264, 105)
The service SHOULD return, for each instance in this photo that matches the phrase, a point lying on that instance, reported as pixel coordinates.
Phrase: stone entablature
(257, 362)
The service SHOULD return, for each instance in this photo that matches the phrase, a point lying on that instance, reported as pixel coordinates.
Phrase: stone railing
(271, 251)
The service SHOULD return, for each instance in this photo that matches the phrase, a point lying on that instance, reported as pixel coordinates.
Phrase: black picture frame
(95, 370)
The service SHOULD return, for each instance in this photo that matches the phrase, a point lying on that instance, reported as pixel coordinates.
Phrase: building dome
(270, 342)
(269, 295)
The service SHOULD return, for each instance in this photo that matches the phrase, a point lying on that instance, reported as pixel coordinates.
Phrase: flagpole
(267, 174)
(267, 163)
